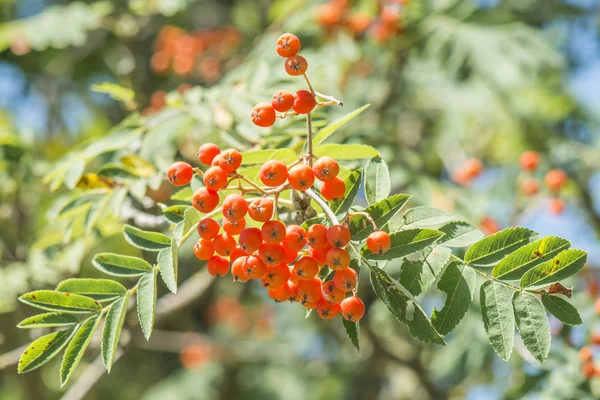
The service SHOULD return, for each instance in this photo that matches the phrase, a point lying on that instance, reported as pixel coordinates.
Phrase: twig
(330, 215)
(12, 357)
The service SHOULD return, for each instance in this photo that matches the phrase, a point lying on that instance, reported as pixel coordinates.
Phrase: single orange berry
(273, 173)
(234, 227)
(224, 244)
(237, 270)
(585, 354)
(306, 268)
(279, 294)
(379, 242)
(254, 267)
(326, 168)
(304, 102)
(291, 289)
(207, 152)
(338, 259)
(204, 249)
(282, 101)
(320, 255)
(208, 228)
(276, 276)
(237, 253)
(338, 236)
(261, 209)
(317, 236)
(334, 189)
(295, 238)
(215, 161)
(290, 256)
(180, 173)
(288, 44)
(556, 179)
(327, 310)
(271, 253)
(529, 160)
(309, 289)
(295, 65)
(215, 178)
(205, 200)
(345, 279)
(250, 240)
(358, 23)
(489, 225)
(352, 308)
(217, 266)
(556, 206)
(301, 177)
(273, 231)
(263, 115)
(530, 187)
(294, 278)
(331, 292)
(234, 207)
(311, 305)
(230, 160)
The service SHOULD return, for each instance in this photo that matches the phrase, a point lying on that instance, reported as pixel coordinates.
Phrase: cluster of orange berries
(336, 14)
(555, 180)
(586, 355)
(200, 52)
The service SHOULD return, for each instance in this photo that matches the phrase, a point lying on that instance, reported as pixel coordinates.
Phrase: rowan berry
(588, 370)
(379, 242)
(311, 305)
(205, 200)
(309, 289)
(261, 209)
(273, 231)
(345, 279)
(282, 101)
(327, 310)
(234, 207)
(263, 115)
(333, 189)
(556, 179)
(319, 255)
(295, 65)
(215, 178)
(237, 270)
(291, 289)
(271, 253)
(276, 276)
(331, 292)
(237, 253)
(530, 187)
(279, 294)
(217, 266)
(290, 256)
(254, 267)
(204, 249)
(295, 238)
(230, 160)
(215, 161)
(338, 236)
(317, 236)
(250, 240)
(301, 177)
(234, 227)
(304, 102)
(294, 278)
(326, 168)
(180, 173)
(338, 259)
(529, 160)
(224, 244)
(273, 173)
(585, 354)
(306, 268)
(352, 308)
(556, 206)
(208, 228)
(288, 44)
(207, 152)
(473, 168)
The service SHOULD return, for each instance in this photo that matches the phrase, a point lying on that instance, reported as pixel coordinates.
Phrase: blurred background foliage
(97, 98)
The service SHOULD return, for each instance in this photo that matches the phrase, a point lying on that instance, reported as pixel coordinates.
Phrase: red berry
(250, 240)
(295, 238)
(556, 179)
(304, 102)
(301, 177)
(529, 160)
(306, 268)
(261, 209)
(237, 270)
(208, 228)
(180, 173)
(317, 236)
(207, 152)
(271, 253)
(334, 189)
(530, 187)
(327, 310)
(288, 44)
(217, 266)
(309, 289)
(291, 289)
(282, 101)
(273, 173)
(353, 308)
(234, 227)
(556, 206)
(254, 267)
(204, 249)
(230, 160)
(295, 65)
(276, 276)
(326, 168)
(331, 292)
(379, 242)
(290, 256)
(273, 231)
(338, 259)
(279, 294)
(345, 279)
(263, 115)
(205, 200)
(320, 255)
(224, 244)
(234, 207)
(215, 178)
(237, 253)
(338, 236)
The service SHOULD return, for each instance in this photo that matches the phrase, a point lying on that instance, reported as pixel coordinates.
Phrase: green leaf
(77, 347)
(397, 302)
(404, 243)
(146, 302)
(112, 330)
(426, 217)
(522, 260)
(184, 194)
(58, 301)
(533, 325)
(459, 234)
(115, 91)
(48, 320)
(115, 171)
(352, 186)
(416, 276)
(562, 266)
(498, 317)
(330, 129)
(168, 264)
(97, 289)
(493, 248)
(191, 219)
(561, 309)
(151, 241)
(44, 349)
(74, 173)
(119, 265)
(377, 180)
(381, 212)
(175, 213)
(458, 282)
(353, 332)
(261, 156)
(313, 221)
(346, 151)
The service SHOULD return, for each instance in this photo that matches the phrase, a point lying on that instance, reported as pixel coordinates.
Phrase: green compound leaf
(561, 309)
(44, 349)
(377, 180)
(381, 212)
(404, 243)
(146, 302)
(330, 129)
(562, 266)
(175, 213)
(522, 260)
(346, 151)
(168, 262)
(352, 186)
(261, 156)
(493, 248)
(458, 282)
(498, 317)
(459, 234)
(59, 301)
(151, 241)
(418, 275)
(48, 320)
(353, 332)
(119, 265)
(533, 325)
(426, 217)
(112, 330)
(77, 347)
(97, 289)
